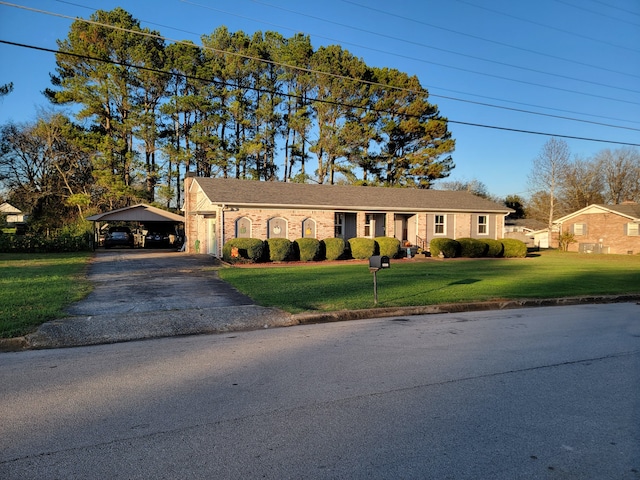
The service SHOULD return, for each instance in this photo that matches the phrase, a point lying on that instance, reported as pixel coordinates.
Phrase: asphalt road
(544, 393)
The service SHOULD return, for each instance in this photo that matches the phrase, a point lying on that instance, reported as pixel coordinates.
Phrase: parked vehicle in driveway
(157, 240)
(119, 237)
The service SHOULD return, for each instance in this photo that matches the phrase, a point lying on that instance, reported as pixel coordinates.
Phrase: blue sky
(561, 67)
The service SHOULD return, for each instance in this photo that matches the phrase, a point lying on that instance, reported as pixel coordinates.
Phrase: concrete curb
(103, 329)
(310, 318)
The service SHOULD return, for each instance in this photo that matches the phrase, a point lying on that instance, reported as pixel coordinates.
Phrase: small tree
(565, 239)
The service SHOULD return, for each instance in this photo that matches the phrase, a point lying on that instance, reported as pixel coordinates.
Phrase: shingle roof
(628, 209)
(341, 197)
(137, 213)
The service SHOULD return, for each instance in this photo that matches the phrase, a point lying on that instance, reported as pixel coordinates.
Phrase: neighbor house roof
(224, 191)
(9, 209)
(137, 213)
(628, 209)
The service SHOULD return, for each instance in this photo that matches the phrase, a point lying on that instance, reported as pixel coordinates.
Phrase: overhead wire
(550, 27)
(585, 9)
(310, 71)
(319, 100)
(616, 7)
(452, 52)
(484, 39)
(387, 86)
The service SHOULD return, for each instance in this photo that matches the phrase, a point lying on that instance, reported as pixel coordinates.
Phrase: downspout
(222, 239)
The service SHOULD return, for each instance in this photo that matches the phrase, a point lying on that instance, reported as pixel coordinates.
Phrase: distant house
(603, 228)
(13, 217)
(526, 230)
(218, 209)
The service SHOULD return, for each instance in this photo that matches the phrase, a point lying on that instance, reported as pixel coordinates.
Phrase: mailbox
(378, 261)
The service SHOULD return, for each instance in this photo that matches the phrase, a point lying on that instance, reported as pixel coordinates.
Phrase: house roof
(137, 213)
(628, 209)
(9, 209)
(224, 191)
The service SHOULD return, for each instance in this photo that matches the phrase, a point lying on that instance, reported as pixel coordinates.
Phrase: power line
(480, 125)
(495, 42)
(303, 69)
(526, 20)
(597, 13)
(419, 44)
(615, 7)
(524, 82)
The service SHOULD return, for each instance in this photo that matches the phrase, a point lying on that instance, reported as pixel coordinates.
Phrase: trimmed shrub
(308, 249)
(362, 247)
(335, 248)
(388, 246)
(496, 248)
(472, 247)
(249, 249)
(450, 248)
(514, 248)
(280, 249)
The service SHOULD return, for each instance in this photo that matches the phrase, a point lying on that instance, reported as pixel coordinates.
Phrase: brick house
(219, 209)
(603, 229)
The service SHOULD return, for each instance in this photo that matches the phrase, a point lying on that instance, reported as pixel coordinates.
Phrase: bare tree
(548, 172)
(620, 170)
(582, 185)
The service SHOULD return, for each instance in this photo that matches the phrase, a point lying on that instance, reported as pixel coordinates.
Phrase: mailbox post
(377, 262)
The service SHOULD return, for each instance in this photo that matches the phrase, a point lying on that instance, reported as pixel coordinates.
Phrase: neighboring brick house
(218, 209)
(603, 229)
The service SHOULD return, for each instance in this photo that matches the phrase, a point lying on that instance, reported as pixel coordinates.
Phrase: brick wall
(260, 217)
(606, 229)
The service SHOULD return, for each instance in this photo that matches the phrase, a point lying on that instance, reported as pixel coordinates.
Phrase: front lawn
(35, 288)
(550, 274)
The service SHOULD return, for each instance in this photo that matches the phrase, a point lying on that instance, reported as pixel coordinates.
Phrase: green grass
(35, 288)
(550, 274)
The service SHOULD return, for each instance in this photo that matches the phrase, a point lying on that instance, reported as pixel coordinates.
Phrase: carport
(145, 218)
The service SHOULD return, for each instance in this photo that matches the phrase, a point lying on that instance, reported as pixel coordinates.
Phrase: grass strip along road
(35, 288)
(549, 274)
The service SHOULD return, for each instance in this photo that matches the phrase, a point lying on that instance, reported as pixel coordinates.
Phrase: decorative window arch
(309, 228)
(243, 227)
(277, 228)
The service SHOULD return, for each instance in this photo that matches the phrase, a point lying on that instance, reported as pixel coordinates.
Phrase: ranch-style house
(219, 209)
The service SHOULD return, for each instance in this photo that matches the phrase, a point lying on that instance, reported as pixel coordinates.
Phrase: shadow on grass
(466, 281)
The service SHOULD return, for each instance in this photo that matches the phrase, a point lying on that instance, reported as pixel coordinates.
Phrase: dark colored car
(157, 240)
(119, 237)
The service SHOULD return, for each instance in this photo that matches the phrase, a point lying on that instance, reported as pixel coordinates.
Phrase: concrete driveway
(141, 294)
(134, 281)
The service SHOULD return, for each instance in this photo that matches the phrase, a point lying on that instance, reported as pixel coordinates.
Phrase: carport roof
(137, 213)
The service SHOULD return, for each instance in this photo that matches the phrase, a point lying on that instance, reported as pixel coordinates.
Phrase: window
(368, 220)
(277, 228)
(579, 229)
(482, 225)
(309, 228)
(439, 225)
(243, 228)
(633, 229)
(339, 225)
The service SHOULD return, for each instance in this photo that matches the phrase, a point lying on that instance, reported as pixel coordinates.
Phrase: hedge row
(475, 248)
(253, 250)
(32, 243)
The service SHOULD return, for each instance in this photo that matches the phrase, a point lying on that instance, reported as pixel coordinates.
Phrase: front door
(212, 244)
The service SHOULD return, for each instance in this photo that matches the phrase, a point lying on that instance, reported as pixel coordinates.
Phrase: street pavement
(530, 393)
